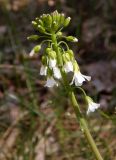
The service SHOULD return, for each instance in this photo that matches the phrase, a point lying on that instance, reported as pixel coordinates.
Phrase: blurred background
(34, 124)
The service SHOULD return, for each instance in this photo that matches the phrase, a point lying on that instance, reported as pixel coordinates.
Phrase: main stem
(80, 117)
(84, 126)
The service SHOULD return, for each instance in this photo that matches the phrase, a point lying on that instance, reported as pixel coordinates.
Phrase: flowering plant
(58, 61)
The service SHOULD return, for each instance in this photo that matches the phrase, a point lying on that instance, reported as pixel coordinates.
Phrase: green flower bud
(52, 54)
(62, 18)
(37, 19)
(58, 18)
(34, 24)
(54, 26)
(44, 60)
(56, 12)
(49, 20)
(71, 54)
(67, 56)
(33, 37)
(43, 16)
(59, 34)
(40, 22)
(37, 48)
(54, 15)
(48, 50)
(41, 29)
(71, 39)
(67, 21)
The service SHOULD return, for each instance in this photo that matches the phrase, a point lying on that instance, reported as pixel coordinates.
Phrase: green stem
(55, 47)
(84, 126)
(63, 43)
(82, 121)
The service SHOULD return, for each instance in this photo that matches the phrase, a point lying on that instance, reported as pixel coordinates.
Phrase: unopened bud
(59, 34)
(54, 15)
(71, 39)
(71, 54)
(52, 54)
(40, 22)
(48, 50)
(67, 56)
(49, 19)
(41, 29)
(58, 18)
(34, 24)
(67, 21)
(33, 37)
(37, 48)
(55, 26)
(44, 60)
(62, 18)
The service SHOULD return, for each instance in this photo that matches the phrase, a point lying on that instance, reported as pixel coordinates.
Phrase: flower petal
(52, 63)
(87, 77)
(31, 53)
(50, 82)
(57, 73)
(68, 67)
(79, 78)
(43, 70)
(92, 107)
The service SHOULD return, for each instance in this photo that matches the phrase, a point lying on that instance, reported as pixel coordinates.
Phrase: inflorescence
(57, 61)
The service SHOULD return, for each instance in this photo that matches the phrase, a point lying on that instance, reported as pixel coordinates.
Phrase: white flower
(91, 105)
(43, 70)
(52, 63)
(51, 82)
(57, 73)
(79, 78)
(68, 67)
(31, 53)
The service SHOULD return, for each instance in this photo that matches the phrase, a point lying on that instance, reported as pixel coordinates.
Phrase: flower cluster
(57, 60)
(50, 68)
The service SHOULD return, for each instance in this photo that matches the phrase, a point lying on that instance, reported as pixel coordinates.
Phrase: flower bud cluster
(50, 68)
(48, 24)
(51, 22)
